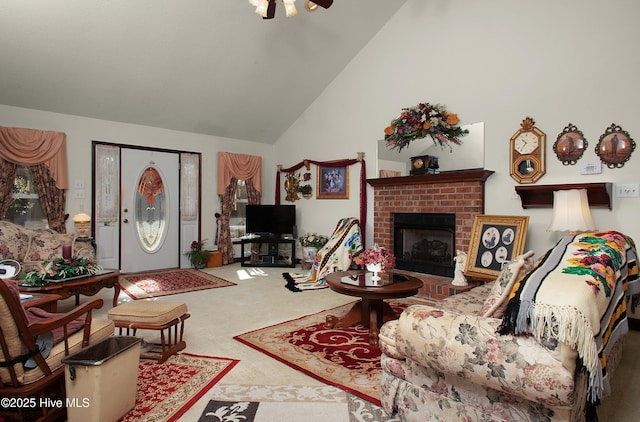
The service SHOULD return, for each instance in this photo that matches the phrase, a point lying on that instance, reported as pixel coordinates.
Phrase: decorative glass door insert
(150, 209)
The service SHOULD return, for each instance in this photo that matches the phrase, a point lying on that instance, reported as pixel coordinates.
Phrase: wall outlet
(78, 184)
(628, 190)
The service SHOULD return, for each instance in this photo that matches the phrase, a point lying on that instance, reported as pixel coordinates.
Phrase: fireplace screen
(424, 242)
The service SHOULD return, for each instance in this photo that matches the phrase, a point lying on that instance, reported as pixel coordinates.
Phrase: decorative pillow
(48, 246)
(14, 241)
(496, 302)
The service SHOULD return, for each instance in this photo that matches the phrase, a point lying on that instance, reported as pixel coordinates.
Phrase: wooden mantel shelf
(541, 196)
(478, 175)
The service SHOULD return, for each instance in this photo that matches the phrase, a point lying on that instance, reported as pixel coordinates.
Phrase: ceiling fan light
(290, 8)
(310, 6)
(271, 10)
(261, 8)
(323, 3)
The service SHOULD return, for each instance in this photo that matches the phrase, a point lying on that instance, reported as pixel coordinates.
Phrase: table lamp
(82, 223)
(571, 212)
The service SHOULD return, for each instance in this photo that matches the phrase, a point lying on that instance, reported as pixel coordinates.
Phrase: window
(238, 215)
(25, 208)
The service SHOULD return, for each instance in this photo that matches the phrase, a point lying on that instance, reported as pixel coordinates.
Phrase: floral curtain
(52, 199)
(7, 176)
(107, 167)
(231, 168)
(227, 203)
(253, 195)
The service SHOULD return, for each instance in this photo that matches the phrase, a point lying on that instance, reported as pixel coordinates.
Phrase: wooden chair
(22, 333)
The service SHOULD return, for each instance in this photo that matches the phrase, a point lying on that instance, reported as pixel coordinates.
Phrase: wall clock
(527, 153)
(423, 164)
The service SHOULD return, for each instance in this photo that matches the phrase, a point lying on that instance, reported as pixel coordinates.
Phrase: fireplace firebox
(425, 242)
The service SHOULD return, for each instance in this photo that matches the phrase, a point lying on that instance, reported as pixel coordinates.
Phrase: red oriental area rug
(171, 282)
(166, 391)
(341, 357)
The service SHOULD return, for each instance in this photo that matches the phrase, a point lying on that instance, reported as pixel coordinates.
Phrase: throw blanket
(576, 295)
(336, 255)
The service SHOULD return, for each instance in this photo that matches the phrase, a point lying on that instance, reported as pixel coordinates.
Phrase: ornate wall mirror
(615, 146)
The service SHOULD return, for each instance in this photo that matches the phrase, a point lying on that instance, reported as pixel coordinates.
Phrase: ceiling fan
(267, 8)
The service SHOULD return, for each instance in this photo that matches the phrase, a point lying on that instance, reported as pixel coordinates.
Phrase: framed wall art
(615, 146)
(332, 183)
(495, 239)
(570, 145)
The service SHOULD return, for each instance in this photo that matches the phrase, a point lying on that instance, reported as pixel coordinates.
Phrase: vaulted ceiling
(212, 67)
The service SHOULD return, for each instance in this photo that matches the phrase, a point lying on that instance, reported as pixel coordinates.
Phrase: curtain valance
(240, 166)
(30, 147)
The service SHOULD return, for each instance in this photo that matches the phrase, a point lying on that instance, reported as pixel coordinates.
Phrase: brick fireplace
(456, 192)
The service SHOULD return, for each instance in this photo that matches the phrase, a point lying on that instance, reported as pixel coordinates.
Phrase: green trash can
(101, 379)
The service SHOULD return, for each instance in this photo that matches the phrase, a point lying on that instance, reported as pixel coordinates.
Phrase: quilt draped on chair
(336, 255)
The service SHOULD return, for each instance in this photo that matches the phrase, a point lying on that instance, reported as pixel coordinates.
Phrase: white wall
(81, 131)
(498, 62)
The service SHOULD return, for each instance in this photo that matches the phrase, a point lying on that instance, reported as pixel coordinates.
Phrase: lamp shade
(82, 223)
(571, 212)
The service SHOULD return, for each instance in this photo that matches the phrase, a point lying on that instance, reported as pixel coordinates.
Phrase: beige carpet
(260, 299)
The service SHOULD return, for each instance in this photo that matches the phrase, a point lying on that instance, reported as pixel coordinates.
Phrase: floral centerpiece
(313, 240)
(421, 121)
(305, 190)
(377, 256)
(61, 268)
(198, 256)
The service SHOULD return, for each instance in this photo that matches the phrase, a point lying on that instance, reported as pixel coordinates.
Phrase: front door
(149, 210)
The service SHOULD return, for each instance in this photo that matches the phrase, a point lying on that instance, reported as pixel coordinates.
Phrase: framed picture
(570, 145)
(495, 239)
(615, 146)
(333, 183)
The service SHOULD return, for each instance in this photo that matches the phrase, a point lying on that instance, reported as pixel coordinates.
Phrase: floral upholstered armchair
(525, 347)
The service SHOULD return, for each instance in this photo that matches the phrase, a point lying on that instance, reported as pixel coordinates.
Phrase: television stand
(269, 257)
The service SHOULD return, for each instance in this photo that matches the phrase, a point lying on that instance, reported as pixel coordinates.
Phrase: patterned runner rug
(171, 282)
(341, 357)
(165, 391)
(267, 403)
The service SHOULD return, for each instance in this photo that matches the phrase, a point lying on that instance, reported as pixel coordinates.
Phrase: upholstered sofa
(30, 247)
(539, 343)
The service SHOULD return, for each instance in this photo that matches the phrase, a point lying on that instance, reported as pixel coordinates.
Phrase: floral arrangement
(305, 189)
(198, 256)
(378, 255)
(59, 269)
(421, 121)
(313, 240)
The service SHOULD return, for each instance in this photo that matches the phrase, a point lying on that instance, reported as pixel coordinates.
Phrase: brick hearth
(460, 192)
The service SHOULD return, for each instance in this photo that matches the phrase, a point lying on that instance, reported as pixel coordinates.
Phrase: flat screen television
(273, 220)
